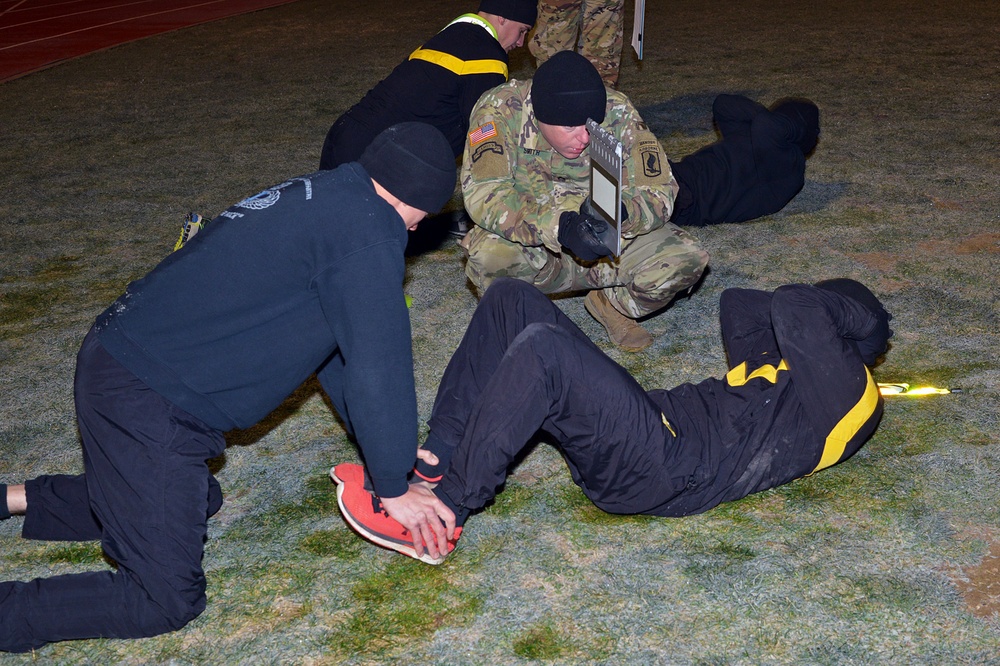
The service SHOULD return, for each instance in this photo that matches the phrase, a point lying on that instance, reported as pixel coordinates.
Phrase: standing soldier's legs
(557, 28)
(601, 36)
(651, 270)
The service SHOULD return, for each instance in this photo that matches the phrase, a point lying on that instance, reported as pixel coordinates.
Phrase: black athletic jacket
(438, 84)
(797, 398)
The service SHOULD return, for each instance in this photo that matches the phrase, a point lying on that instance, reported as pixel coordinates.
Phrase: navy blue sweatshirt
(306, 276)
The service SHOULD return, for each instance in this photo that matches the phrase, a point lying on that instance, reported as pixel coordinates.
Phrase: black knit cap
(521, 11)
(415, 163)
(877, 341)
(566, 90)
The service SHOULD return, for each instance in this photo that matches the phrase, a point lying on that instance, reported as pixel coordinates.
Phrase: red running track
(35, 34)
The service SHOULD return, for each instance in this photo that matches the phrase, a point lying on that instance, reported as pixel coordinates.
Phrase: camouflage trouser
(591, 27)
(651, 269)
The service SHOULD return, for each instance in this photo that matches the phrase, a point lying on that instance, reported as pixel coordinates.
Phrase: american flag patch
(481, 133)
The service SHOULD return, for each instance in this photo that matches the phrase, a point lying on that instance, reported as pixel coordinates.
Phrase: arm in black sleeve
(331, 378)
(733, 114)
(745, 317)
(815, 330)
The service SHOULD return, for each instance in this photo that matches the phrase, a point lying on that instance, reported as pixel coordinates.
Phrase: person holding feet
(305, 277)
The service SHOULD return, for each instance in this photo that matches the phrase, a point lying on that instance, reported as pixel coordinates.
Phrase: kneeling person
(798, 398)
(526, 180)
(438, 83)
(165, 371)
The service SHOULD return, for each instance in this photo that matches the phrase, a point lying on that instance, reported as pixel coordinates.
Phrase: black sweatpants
(524, 366)
(146, 493)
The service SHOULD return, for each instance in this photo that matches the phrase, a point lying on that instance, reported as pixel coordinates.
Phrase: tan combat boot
(624, 332)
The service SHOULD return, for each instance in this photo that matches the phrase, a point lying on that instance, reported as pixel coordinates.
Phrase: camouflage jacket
(516, 185)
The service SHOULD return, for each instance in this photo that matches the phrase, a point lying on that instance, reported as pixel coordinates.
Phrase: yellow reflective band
(738, 375)
(667, 423)
(459, 66)
(842, 433)
(475, 19)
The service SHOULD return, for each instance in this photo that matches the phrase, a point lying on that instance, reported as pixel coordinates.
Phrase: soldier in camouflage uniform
(593, 28)
(519, 189)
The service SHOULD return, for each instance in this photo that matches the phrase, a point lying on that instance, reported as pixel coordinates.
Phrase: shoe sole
(385, 542)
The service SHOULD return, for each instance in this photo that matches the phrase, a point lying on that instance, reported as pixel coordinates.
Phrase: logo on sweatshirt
(270, 196)
(260, 201)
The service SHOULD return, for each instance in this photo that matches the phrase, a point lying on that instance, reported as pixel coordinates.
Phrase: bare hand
(422, 513)
(427, 456)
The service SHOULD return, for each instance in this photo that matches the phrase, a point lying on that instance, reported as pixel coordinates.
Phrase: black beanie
(804, 117)
(415, 163)
(566, 90)
(521, 11)
(878, 340)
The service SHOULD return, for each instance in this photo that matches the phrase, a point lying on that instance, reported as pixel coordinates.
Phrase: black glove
(584, 236)
(587, 208)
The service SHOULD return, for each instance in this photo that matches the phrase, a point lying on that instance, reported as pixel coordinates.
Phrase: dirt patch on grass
(884, 262)
(981, 586)
(980, 243)
(945, 204)
(887, 262)
(970, 245)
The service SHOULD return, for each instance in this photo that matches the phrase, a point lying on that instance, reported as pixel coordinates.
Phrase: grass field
(891, 558)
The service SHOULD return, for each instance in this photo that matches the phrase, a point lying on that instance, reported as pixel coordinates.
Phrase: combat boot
(623, 331)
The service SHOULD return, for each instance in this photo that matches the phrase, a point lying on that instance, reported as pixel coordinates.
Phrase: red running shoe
(364, 512)
(348, 473)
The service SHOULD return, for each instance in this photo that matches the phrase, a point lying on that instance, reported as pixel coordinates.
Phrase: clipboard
(606, 181)
(638, 25)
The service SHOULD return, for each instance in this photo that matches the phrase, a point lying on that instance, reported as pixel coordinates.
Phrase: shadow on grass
(813, 198)
(686, 115)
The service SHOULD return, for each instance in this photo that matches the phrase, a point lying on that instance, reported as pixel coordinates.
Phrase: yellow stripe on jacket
(842, 433)
(459, 66)
(738, 375)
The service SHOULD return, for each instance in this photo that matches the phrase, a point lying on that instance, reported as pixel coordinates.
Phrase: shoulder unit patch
(489, 161)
